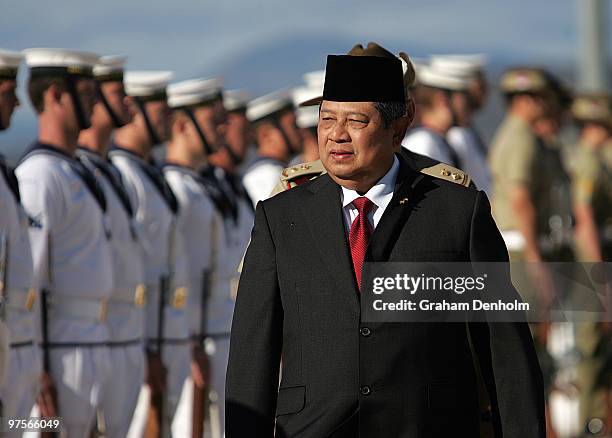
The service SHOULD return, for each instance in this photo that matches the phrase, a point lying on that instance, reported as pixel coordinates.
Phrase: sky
(194, 37)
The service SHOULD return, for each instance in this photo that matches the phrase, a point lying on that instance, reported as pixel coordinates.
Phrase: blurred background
(268, 44)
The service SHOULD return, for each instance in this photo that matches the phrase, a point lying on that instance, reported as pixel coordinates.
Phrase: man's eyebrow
(358, 114)
(348, 114)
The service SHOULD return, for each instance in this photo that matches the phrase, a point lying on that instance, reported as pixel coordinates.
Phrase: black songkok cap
(363, 79)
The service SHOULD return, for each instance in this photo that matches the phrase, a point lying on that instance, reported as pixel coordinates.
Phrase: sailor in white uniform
(432, 95)
(224, 173)
(197, 112)
(70, 246)
(463, 136)
(17, 294)
(273, 119)
(307, 117)
(126, 304)
(155, 210)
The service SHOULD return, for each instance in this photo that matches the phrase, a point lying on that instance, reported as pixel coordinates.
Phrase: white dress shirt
(380, 194)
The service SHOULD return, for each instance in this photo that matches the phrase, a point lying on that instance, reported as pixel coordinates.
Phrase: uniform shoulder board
(449, 173)
(298, 174)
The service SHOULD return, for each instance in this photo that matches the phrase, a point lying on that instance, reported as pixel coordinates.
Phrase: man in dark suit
(299, 294)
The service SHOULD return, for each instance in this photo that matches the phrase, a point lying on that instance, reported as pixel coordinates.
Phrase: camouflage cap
(594, 107)
(524, 80)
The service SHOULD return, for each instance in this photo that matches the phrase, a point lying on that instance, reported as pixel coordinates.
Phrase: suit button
(365, 332)
(365, 390)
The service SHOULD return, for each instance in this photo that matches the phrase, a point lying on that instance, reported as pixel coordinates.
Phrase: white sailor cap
(147, 84)
(436, 78)
(306, 116)
(54, 62)
(269, 105)
(464, 66)
(9, 63)
(109, 68)
(194, 92)
(236, 100)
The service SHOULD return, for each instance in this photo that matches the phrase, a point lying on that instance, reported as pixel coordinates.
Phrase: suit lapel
(323, 213)
(396, 214)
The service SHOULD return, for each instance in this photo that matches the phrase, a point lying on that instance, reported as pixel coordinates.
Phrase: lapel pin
(403, 201)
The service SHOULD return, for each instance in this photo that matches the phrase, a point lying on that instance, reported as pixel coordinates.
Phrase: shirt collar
(380, 193)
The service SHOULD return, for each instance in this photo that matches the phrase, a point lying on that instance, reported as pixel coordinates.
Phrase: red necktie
(360, 233)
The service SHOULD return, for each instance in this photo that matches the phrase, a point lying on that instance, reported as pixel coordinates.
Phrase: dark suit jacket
(298, 296)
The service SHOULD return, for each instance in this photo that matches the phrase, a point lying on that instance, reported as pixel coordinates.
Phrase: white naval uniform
(473, 161)
(80, 278)
(238, 231)
(205, 244)
(20, 387)
(426, 142)
(157, 224)
(261, 177)
(125, 310)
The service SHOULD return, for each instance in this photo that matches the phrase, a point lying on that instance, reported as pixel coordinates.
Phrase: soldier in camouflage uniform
(592, 197)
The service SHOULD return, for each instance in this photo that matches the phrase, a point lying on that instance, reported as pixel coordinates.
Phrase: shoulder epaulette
(447, 172)
(298, 174)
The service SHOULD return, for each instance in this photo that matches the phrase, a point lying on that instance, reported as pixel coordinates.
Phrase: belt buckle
(179, 298)
(103, 313)
(31, 299)
(140, 296)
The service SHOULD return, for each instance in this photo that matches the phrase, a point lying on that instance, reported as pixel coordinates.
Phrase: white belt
(92, 308)
(21, 299)
(515, 241)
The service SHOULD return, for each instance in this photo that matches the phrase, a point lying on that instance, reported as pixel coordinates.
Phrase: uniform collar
(380, 193)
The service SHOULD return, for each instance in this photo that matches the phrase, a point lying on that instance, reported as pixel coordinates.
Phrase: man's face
(159, 115)
(461, 107)
(479, 91)
(114, 93)
(8, 101)
(442, 109)
(288, 123)
(86, 93)
(86, 90)
(209, 119)
(237, 133)
(354, 146)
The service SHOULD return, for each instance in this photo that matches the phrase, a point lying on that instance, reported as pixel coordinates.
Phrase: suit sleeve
(256, 340)
(505, 350)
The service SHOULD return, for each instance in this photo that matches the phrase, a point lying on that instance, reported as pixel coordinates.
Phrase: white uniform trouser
(121, 392)
(80, 373)
(218, 351)
(18, 394)
(125, 323)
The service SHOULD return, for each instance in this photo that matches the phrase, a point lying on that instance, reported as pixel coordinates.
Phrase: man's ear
(400, 126)
(53, 95)
(410, 110)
